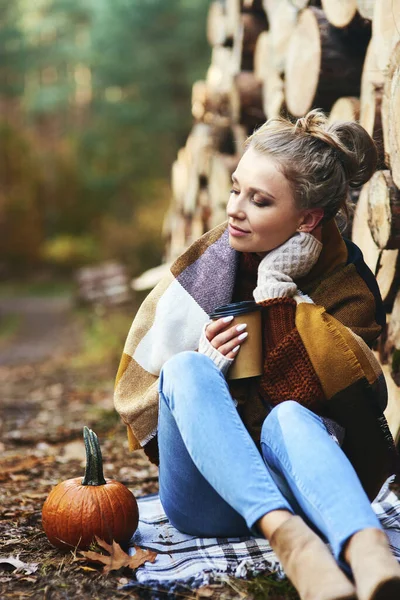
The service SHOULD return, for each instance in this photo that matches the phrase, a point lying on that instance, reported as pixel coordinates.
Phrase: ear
(310, 219)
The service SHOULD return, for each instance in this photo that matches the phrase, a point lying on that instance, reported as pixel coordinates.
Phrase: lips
(238, 229)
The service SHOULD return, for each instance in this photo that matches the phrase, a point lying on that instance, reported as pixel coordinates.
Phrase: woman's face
(262, 204)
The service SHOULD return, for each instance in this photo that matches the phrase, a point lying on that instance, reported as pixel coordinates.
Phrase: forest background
(94, 103)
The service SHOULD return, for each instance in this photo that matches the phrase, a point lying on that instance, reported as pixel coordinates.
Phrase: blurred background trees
(94, 103)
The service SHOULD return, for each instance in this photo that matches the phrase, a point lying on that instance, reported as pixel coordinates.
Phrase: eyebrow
(252, 189)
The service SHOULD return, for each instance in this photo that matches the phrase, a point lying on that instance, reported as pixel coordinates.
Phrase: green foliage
(70, 251)
(103, 92)
(103, 335)
(21, 183)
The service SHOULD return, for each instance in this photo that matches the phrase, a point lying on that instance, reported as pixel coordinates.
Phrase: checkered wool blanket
(187, 562)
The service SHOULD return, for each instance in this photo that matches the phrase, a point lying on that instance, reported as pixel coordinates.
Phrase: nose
(234, 207)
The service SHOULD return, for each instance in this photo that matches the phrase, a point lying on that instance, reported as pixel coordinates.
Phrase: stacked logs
(273, 57)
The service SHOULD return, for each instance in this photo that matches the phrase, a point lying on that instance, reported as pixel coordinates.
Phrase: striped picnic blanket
(187, 562)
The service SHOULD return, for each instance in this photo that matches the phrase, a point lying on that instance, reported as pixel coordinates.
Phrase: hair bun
(354, 147)
(312, 123)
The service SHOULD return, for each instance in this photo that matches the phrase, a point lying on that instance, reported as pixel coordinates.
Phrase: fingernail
(241, 327)
(227, 319)
(236, 348)
(243, 335)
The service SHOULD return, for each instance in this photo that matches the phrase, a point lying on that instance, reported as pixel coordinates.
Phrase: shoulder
(351, 294)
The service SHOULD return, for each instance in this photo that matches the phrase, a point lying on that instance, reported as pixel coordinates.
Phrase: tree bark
(216, 24)
(391, 116)
(366, 8)
(323, 63)
(282, 18)
(246, 100)
(387, 276)
(385, 30)
(384, 210)
(361, 234)
(340, 14)
(219, 185)
(372, 81)
(345, 109)
(250, 27)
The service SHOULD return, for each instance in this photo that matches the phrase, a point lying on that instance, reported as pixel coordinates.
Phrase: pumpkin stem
(94, 461)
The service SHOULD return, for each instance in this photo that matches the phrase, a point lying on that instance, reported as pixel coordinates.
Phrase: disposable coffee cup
(248, 362)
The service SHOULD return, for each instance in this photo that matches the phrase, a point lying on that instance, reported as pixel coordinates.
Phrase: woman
(297, 454)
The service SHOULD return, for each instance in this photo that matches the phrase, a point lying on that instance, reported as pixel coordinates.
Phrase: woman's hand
(226, 341)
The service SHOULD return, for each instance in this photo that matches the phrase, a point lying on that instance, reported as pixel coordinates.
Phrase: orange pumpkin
(77, 510)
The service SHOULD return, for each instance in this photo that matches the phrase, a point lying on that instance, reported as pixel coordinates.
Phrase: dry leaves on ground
(19, 565)
(117, 557)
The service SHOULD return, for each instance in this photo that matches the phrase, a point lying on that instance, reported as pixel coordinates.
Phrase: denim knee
(182, 366)
(285, 414)
(184, 362)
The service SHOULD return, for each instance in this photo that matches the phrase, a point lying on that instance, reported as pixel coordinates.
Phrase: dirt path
(45, 329)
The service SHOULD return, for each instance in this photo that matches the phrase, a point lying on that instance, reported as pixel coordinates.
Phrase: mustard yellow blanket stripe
(326, 341)
(139, 389)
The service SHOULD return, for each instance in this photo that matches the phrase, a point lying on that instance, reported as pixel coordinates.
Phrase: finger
(234, 352)
(215, 327)
(228, 335)
(227, 348)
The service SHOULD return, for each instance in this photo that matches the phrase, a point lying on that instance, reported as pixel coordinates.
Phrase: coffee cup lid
(235, 308)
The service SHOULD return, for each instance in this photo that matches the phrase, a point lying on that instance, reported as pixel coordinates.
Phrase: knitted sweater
(316, 353)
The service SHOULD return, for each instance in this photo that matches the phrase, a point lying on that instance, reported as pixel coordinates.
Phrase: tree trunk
(219, 185)
(340, 14)
(372, 81)
(282, 18)
(252, 5)
(366, 8)
(384, 210)
(345, 109)
(261, 56)
(391, 348)
(246, 100)
(385, 30)
(216, 24)
(232, 11)
(391, 116)
(361, 234)
(323, 63)
(250, 27)
(300, 4)
(387, 276)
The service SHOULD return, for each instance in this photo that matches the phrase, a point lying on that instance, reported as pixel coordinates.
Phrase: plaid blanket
(185, 561)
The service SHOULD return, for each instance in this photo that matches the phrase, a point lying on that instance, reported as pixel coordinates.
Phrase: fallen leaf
(18, 564)
(117, 557)
(11, 465)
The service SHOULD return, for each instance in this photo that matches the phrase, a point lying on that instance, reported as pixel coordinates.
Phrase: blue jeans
(214, 481)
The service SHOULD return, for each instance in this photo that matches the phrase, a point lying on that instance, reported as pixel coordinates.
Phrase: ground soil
(44, 404)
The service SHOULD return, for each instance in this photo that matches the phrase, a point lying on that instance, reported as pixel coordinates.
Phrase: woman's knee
(183, 367)
(283, 416)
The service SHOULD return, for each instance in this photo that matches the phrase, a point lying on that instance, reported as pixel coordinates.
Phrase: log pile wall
(272, 57)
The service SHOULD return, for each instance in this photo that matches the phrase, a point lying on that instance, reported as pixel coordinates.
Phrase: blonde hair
(320, 161)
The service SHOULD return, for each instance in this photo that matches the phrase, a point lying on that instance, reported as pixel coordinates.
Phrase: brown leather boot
(376, 571)
(309, 564)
